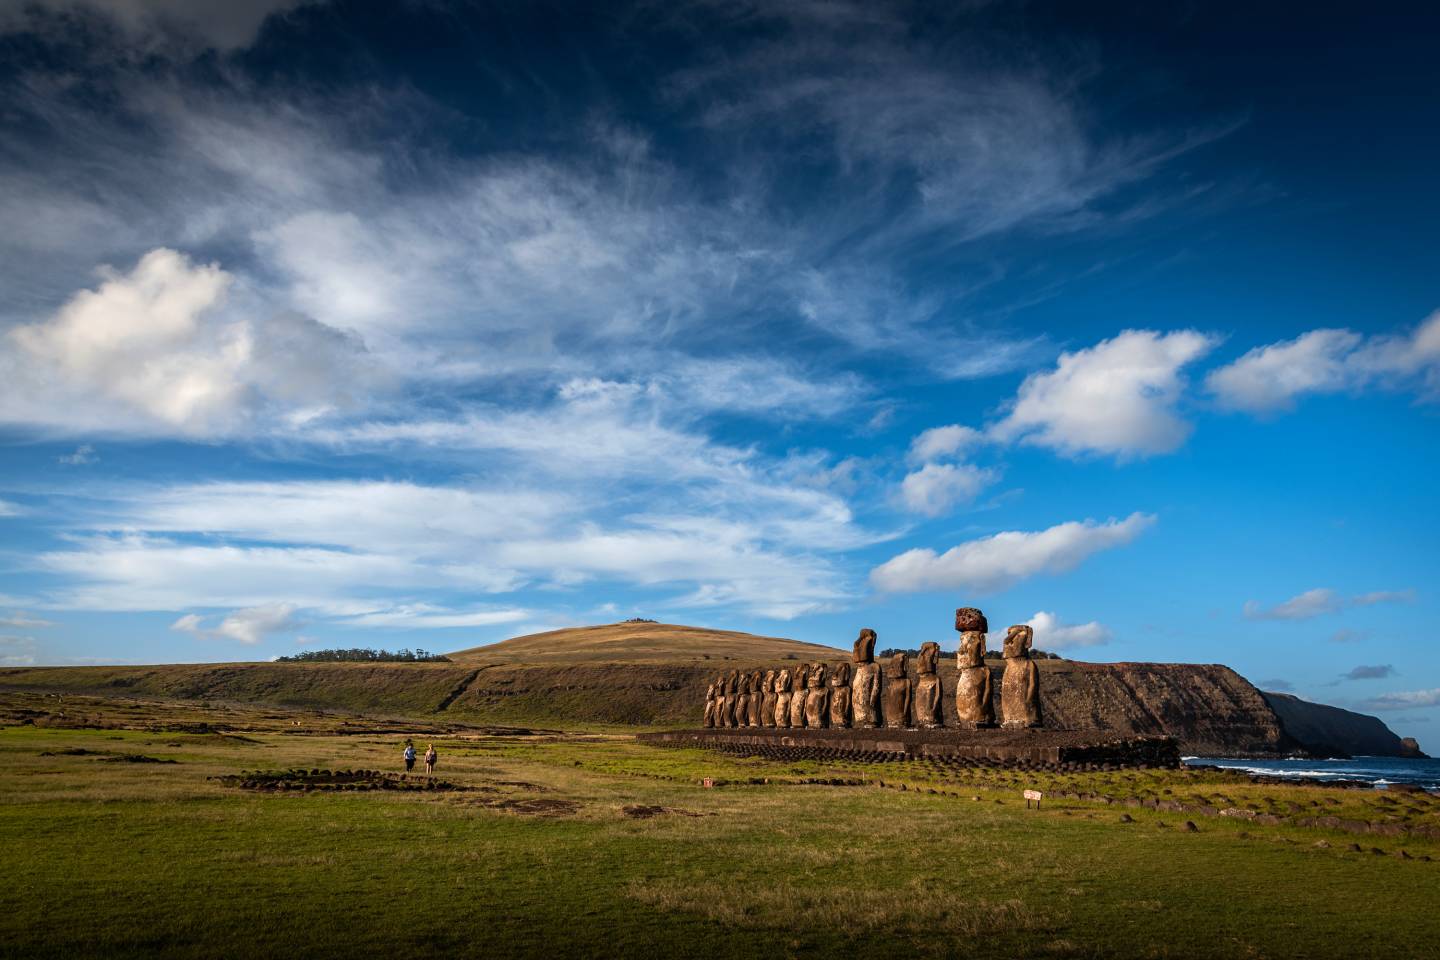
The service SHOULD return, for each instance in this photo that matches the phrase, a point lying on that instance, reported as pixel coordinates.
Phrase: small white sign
(1033, 794)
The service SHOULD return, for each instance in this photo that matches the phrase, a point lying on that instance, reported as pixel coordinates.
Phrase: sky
(428, 324)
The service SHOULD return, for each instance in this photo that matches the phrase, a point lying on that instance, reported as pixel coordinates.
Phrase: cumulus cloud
(999, 561)
(1405, 700)
(1311, 603)
(1117, 397)
(1269, 379)
(156, 350)
(1052, 634)
(248, 626)
(8, 509)
(947, 441)
(936, 488)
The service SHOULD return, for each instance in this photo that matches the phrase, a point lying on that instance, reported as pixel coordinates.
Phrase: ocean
(1378, 771)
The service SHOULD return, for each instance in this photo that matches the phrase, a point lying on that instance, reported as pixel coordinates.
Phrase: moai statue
(782, 697)
(1020, 687)
(732, 697)
(840, 695)
(710, 705)
(757, 698)
(817, 698)
(742, 702)
(720, 700)
(865, 687)
(767, 699)
(929, 709)
(898, 693)
(973, 705)
(799, 696)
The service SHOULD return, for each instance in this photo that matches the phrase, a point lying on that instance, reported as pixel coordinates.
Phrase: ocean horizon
(1379, 772)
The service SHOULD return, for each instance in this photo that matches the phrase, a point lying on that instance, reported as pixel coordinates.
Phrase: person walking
(409, 756)
(430, 757)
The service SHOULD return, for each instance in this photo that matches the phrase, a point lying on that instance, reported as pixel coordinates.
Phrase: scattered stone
(134, 758)
(1190, 827)
(1322, 844)
(1354, 848)
(1126, 818)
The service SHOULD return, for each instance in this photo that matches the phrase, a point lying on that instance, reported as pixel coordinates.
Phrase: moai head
(782, 680)
(895, 667)
(757, 682)
(732, 682)
(972, 650)
(802, 676)
(817, 676)
(1018, 640)
(744, 683)
(710, 692)
(767, 682)
(971, 620)
(929, 660)
(840, 675)
(864, 649)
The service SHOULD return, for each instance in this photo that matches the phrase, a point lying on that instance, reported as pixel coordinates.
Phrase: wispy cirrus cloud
(1404, 700)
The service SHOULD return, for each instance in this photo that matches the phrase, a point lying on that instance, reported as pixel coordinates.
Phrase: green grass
(121, 859)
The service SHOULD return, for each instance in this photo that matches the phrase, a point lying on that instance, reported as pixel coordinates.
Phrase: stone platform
(1032, 749)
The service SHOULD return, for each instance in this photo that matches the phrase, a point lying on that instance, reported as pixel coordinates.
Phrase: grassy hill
(642, 642)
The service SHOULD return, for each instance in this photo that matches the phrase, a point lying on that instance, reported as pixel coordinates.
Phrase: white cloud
(1383, 596)
(1404, 700)
(83, 456)
(1052, 634)
(8, 509)
(17, 651)
(1117, 397)
(429, 617)
(154, 25)
(940, 442)
(158, 350)
(1311, 603)
(248, 626)
(996, 562)
(20, 619)
(936, 488)
(1268, 379)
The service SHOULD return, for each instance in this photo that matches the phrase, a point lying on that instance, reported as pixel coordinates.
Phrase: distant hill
(643, 642)
(1325, 729)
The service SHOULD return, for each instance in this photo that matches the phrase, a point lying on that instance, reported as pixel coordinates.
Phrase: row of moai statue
(861, 694)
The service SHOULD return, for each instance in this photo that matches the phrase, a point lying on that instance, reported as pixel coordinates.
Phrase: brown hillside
(642, 643)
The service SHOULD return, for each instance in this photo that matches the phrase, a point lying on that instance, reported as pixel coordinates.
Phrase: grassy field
(584, 844)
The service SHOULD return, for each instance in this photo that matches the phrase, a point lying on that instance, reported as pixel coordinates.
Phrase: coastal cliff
(1333, 731)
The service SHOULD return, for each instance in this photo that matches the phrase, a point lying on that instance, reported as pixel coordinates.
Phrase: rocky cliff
(1332, 731)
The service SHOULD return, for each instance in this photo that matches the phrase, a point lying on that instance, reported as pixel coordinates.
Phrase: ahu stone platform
(1044, 749)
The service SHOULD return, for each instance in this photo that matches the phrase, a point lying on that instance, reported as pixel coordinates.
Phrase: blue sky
(439, 324)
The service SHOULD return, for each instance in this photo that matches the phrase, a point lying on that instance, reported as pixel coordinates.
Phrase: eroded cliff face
(1334, 731)
(1209, 708)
